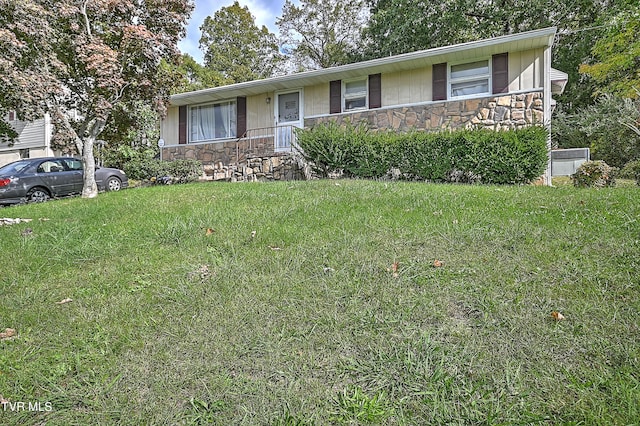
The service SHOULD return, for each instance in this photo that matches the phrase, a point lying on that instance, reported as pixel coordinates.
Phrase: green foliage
(616, 68)
(594, 174)
(180, 171)
(611, 127)
(134, 161)
(142, 164)
(514, 156)
(186, 75)
(631, 170)
(321, 34)
(236, 47)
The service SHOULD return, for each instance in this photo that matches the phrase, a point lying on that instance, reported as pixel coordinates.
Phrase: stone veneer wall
(241, 160)
(495, 112)
(255, 159)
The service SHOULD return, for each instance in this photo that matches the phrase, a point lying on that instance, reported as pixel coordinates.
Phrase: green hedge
(473, 156)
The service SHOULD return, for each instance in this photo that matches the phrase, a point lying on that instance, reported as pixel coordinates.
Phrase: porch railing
(267, 140)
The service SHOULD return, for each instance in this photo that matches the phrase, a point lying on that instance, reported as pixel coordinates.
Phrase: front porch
(261, 154)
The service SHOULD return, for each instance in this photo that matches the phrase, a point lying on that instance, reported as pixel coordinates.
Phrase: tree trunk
(90, 189)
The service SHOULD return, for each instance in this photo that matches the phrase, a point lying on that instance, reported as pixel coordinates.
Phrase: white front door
(288, 115)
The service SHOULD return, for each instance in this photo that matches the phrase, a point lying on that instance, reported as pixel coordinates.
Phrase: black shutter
(335, 97)
(182, 124)
(375, 91)
(500, 73)
(439, 87)
(241, 116)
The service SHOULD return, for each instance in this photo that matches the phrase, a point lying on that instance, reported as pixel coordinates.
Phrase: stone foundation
(495, 113)
(277, 166)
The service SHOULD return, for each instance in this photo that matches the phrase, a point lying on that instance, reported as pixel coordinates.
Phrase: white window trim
(488, 76)
(345, 98)
(222, 101)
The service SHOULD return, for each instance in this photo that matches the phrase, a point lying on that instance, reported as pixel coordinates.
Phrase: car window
(73, 164)
(51, 166)
(16, 167)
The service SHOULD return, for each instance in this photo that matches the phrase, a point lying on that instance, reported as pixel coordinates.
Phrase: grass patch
(183, 314)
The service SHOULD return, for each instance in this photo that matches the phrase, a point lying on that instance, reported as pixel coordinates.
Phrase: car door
(54, 174)
(74, 165)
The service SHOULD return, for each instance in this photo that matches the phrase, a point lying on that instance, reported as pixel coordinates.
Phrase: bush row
(141, 164)
(473, 156)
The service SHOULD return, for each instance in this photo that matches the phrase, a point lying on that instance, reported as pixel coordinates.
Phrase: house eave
(481, 48)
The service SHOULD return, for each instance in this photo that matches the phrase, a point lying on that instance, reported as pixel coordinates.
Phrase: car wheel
(113, 184)
(37, 195)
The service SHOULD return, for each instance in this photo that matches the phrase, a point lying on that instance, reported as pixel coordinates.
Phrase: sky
(265, 13)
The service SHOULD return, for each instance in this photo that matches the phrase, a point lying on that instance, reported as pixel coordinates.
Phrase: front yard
(323, 302)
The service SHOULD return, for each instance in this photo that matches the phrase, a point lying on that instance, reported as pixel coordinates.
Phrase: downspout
(48, 132)
(547, 108)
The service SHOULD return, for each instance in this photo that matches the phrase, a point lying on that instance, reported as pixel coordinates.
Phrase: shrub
(141, 164)
(631, 170)
(594, 174)
(471, 156)
(181, 171)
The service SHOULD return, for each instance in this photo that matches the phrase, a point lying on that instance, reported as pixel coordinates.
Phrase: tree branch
(86, 18)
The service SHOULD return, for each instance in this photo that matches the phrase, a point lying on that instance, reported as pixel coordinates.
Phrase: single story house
(240, 131)
(34, 139)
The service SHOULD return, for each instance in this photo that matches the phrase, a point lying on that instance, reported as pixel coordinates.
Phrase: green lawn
(278, 303)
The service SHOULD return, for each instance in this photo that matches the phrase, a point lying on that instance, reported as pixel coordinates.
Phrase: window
(12, 116)
(51, 166)
(472, 78)
(355, 94)
(74, 164)
(213, 121)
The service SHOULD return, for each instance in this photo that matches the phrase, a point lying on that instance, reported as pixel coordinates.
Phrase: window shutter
(182, 124)
(439, 85)
(241, 116)
(335, 97)
(500, 73)
(375, 91)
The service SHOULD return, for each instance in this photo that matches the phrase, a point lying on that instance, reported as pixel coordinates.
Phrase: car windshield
(16, 167)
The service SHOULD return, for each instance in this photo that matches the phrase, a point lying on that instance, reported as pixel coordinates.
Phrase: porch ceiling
(458, 52)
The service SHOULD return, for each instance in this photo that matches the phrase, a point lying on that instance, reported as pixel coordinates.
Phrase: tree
(79, 60)
(400, 26)
(321, 33)
(187, 75)
(616, 65)
(611, 127)
(234, 46)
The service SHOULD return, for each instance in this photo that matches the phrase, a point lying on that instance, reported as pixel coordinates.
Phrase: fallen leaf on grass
(63, 301)
(27, 232)
(3, 400)
(328, 270)
(210, 231)
(274, 248)
(253, 234)
(438, 263)
(557, 316)
(395, 266)
(7, 333)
